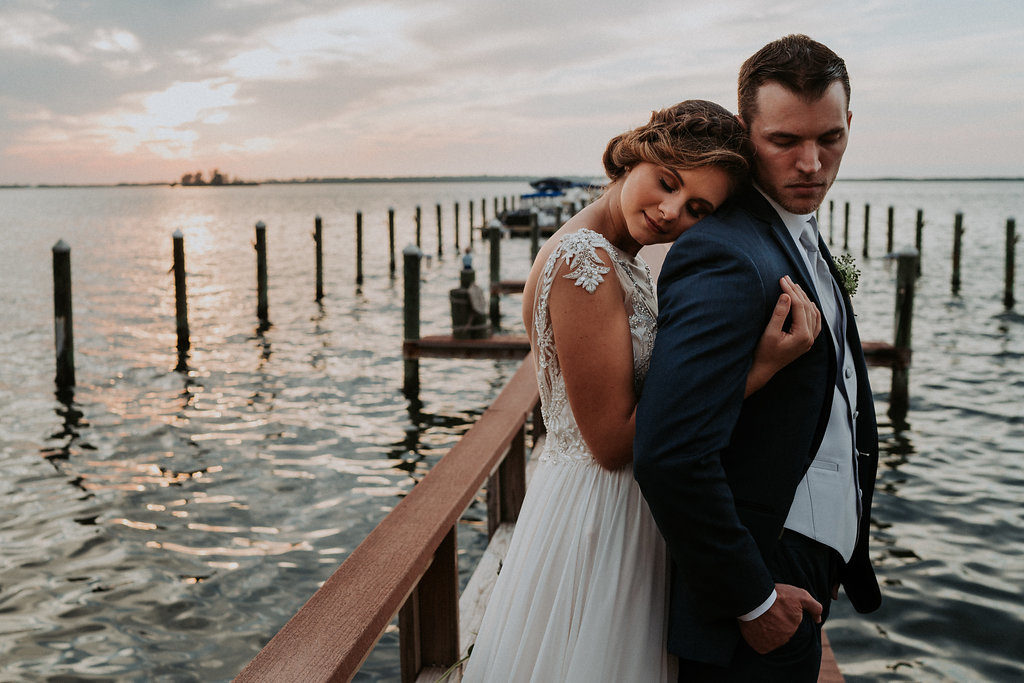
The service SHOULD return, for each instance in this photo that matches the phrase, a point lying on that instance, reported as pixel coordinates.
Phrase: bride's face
(659, 203)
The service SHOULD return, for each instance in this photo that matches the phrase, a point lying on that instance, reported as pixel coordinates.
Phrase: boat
(552, 201)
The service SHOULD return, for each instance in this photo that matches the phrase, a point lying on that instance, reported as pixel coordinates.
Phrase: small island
(217, 179)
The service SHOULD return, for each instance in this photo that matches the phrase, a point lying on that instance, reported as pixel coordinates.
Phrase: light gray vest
(826, 506)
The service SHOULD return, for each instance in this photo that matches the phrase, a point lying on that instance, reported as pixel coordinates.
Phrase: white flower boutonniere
(849, 274)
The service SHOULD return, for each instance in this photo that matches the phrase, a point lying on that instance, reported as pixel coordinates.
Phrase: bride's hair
(687, 135)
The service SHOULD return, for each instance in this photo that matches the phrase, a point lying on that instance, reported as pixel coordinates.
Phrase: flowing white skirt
(582, 595)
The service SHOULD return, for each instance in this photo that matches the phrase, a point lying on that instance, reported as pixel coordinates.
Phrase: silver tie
(829, 295)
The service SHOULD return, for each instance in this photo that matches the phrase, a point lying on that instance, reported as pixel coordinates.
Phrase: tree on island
(216, 178)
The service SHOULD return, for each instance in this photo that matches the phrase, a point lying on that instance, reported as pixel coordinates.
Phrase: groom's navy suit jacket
(719, 472)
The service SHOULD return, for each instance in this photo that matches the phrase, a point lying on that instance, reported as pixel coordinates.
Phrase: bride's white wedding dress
(583, 593)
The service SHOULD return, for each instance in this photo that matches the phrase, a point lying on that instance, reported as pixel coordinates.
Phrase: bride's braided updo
(687, 135)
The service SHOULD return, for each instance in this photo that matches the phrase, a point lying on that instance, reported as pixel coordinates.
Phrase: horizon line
(457, 178)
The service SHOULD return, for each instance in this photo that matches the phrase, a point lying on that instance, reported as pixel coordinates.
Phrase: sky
(107, 91)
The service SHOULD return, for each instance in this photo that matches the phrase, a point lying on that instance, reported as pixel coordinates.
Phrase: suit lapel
(756, 204)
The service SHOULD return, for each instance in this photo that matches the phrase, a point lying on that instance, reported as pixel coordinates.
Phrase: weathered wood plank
(501, 347)
(829, 671)
(508, 286)
(883, 354)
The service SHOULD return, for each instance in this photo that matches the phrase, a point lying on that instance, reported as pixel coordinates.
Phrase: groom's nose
(808, 158)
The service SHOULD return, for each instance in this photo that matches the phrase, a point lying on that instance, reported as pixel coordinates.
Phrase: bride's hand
(778, 348)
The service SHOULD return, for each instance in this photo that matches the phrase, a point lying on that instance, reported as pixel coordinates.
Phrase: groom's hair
(797, 63)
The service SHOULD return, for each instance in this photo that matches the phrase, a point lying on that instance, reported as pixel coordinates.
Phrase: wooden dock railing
(408, 564)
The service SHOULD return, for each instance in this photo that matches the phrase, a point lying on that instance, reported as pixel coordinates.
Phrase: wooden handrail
(332, 634)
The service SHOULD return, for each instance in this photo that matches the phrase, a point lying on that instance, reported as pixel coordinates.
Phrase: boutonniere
(849, 274)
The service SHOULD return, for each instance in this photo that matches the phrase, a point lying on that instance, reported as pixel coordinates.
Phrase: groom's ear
(741, 121)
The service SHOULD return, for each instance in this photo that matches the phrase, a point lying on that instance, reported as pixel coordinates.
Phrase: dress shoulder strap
(579, 251)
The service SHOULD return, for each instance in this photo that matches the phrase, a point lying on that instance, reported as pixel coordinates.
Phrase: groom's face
(799, 144)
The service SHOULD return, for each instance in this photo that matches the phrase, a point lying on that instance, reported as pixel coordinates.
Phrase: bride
(583, 592)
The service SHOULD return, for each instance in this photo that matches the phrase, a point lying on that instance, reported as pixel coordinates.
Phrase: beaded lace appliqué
(578, 251)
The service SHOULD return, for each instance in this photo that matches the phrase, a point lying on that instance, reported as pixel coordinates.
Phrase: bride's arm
(595, 353)
(777, 347)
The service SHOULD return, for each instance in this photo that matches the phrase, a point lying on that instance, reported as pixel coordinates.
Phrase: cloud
(160, 124)
(37, 33)
(307, 47)
(115, 40)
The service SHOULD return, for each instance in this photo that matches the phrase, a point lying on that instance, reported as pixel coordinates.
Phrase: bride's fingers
(782, 308)
(803, 310)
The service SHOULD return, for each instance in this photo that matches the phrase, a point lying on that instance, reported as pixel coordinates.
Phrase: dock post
(359, 247)
(411, 256)
(906, 276)
(918, 233)
(494, 235)
(419, 225)
(846, 226)
(180, 300)
(1011, 245)
(63, 323)
(507, 486)
(428, 623)
(534, 236)
(318, 241)
(958, 234)
(391, 242)
(261, 275)
(470, 222)
(831, 222)
(867, 223)
(558, 217)
(889, 233)
(504, 203)
(496, 212)
(440, 245)
(456, 214)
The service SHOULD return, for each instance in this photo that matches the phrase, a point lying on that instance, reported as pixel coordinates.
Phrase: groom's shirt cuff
(758, 611)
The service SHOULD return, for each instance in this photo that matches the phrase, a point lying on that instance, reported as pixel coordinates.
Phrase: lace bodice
(579, 252)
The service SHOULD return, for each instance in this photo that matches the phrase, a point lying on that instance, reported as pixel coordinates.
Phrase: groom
(764, 502)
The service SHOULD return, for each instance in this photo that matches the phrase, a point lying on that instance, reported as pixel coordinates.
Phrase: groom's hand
(776, 626)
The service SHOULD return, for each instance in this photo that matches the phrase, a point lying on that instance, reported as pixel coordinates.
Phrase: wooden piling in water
(261, 275)
(867, 223)
(419, 225)
(391, 242)
(494, 236)
(496, 212)
(918, 234)
(470, 222)
(534, 236)
(63, 323)
(440, 240)
(411, 257)
(318, 241)
(906, 276)
(180, 300)
(456, 219)
(504, 204)
(359, 247)
(889, 232)
(831, 222)
(958, 233)
(846, 226)
(1011, 245)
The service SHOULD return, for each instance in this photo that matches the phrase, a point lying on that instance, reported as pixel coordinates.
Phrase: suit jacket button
(848, 373)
